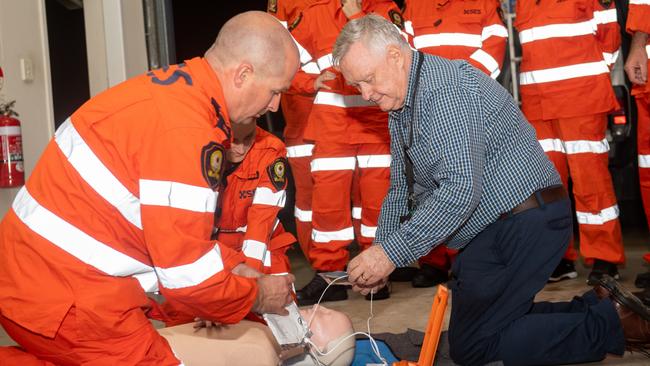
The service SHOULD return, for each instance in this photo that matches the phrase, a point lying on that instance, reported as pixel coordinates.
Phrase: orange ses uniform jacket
(638, 19)
(122, 202)
(469, 30)
(253, 197)
(568, 48)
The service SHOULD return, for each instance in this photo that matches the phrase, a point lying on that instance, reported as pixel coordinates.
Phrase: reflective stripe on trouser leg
(301, 173)
(596, 208)
(643, 148)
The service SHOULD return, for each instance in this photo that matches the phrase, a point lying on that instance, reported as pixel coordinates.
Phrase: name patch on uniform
(396, 18)
(213, 163)
(272, 6)
(277, 173)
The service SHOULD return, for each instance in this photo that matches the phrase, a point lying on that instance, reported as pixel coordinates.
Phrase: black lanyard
(408, 163)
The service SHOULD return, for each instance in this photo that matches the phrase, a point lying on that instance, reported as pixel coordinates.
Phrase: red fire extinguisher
(12, 170)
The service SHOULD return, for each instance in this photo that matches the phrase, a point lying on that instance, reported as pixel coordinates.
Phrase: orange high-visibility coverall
(568, 48)
(348, 131)
(295, 109)
(638, 20)
(121, 203)
(469, 30)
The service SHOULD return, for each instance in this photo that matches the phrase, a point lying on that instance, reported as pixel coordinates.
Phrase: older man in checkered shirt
(468, 171)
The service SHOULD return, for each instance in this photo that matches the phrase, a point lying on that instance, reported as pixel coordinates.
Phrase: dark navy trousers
(494, 282)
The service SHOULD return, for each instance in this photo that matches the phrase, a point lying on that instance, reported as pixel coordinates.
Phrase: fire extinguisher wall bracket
(12, 169)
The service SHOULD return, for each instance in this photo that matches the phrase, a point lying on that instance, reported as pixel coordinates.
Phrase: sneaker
(566, 270)
(381, 294)
(312, 291)
(642, 280)
(429, 276)
(601, 268)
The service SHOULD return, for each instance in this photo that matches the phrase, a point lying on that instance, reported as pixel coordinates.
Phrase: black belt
(548, 195)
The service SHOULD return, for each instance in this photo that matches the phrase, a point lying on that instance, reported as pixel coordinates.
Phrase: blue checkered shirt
(474, 155)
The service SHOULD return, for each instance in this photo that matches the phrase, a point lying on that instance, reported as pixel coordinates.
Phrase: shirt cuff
(398, 250)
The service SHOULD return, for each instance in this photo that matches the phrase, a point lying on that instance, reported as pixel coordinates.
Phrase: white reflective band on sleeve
(368, 231)
(408, 27)
(647, 50)
(487, 61)
(327, 164)
(325, 62)
(300, 151)
(148, 281)
(605, 16)
(327, 236)
(192, 274)
(254, 249)
(374, 161)
(586, 146)
(563, 73)
(284, 23)
(265, 196)
(356, 213)
(340, 100)
(305, 57)
(96, 174)
(9, 130)
(644, 161)
(267, 260)
(302, 215)
(494, 30)
(610, 58)
(608, 214)
(310, 68)
(557, 30)
(177, 195)
(639, 2)
(552, 145)
(74, 241)
(447, 39)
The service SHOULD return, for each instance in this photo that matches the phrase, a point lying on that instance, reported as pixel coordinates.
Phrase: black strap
(408, 163)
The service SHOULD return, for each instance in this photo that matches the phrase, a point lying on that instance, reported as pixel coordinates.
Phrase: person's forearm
(639, 40)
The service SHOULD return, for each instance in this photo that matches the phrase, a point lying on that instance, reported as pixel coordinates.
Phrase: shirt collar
(410, 93)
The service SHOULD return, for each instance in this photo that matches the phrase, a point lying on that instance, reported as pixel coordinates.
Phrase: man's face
(242, 141)
(380, 77)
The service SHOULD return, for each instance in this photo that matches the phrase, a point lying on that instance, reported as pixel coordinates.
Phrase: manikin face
(242, 141)
(380, 76)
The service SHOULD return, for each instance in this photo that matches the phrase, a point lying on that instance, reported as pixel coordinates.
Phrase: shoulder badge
(396, 18)
(295, 22)
(606, 3)
(213, 164)
(272, 6)
(278, 173)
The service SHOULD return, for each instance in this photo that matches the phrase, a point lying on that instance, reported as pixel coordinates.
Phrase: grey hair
(373, 30)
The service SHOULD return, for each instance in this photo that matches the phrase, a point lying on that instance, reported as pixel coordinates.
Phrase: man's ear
(394, 55)
(243, 73)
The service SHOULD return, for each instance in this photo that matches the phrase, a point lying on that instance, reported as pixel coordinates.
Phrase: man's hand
(368, 270)
(636, 65)
(273, 294)
(351, 7)
(319, 83)
(245, 271)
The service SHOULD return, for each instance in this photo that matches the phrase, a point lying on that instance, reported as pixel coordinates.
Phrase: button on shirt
(474, 156)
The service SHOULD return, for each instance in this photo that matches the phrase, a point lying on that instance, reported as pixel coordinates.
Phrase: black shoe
(403, 274)
(381, 294)
(312, 291)
(601, 268)
(642, 280)
(566, 270)
(644, 296)
(429, 276)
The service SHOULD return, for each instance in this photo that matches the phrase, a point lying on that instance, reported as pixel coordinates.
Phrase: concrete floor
(409, 307)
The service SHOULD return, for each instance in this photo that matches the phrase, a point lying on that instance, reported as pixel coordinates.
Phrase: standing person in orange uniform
(568, 50)
(455, 29)
(122, 202)
(295, 109)
(350, 132)
(636, 67)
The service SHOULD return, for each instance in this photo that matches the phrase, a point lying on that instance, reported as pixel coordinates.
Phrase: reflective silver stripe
(610, 58)
(557, 31)
(564, 73)
(302, 215)
(96, 174)
(254, 249)
(74, 241)
(408, 27)
(356, 213)
(325, 62)
(374, 161)
(305, 56)
(447, 39)
(586, 146)
(639, 2)
(267, 260)
(340, 100)
(194, 273)
(310, 68)
(284, 23)
(265, 196)
(148, 281)
(300, 151)
(605, 16)
(10, 130)
(497, 30)
(327, 236)
(177, 195)
(647, 50)
(608, 214)
(552, 145)
(326, 164)
(368, 231)
(488, 61)
(644, 161)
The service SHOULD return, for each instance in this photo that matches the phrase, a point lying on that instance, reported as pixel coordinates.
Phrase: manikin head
(255, 59)
(373, 56)
(243, 138)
